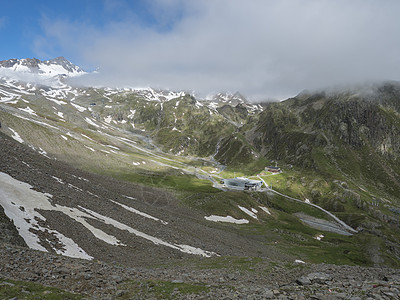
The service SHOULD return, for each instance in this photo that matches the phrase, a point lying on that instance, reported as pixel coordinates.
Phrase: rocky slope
(255, 279)
(356, 133)
(145, 225)
(359, 120)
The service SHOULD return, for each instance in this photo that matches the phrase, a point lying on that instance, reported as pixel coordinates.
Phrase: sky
(265, 49)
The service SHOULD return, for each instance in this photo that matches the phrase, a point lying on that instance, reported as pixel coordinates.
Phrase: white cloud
(261, 48)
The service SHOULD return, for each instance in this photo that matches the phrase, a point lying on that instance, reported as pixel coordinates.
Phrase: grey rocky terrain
(265, 280)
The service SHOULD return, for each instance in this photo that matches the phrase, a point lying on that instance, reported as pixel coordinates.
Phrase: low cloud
(29, 77)
(261, 48)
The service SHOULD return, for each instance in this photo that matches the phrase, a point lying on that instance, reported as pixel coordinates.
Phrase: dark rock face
(8, 232)
(363, 124)
(359, 123)
(236, 113)
(29, 62)
(316, 120)
(278, 135)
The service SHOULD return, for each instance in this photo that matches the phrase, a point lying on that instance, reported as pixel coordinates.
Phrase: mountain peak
(47, 68)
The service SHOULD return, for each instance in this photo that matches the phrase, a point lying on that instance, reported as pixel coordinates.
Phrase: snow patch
(132, 114)
(108, 119)
(42, 152)
(131, 209)
(250, 213)
(91, 149)
(16, 136)
(198, 104)
(59, 180)
(298, 261)
(26, 164)
(227, 219)
(59, 102)
(78, 107)
(80, 178)
(265, 209)
(113, 147)
(85, 136)
(319, 237)
(91, 122)
(29, 111)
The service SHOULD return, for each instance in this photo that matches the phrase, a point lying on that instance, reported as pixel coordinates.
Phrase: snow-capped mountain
(46, 68)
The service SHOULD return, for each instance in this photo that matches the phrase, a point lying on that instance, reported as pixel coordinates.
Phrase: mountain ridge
(47, 68)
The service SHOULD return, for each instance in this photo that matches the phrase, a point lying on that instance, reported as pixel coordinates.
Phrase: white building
(242, 184)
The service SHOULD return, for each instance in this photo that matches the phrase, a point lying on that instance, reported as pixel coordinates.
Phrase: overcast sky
(264, 49)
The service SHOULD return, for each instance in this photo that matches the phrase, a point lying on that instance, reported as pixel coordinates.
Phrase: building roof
(275, 168)
(241, 181)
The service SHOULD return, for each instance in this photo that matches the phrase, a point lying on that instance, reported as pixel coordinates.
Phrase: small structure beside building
(273, 169)
(242, 184)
